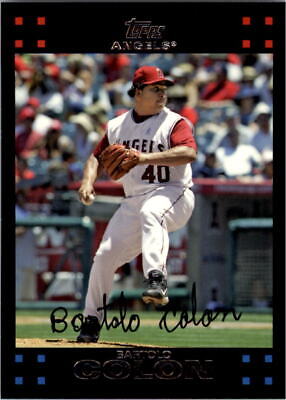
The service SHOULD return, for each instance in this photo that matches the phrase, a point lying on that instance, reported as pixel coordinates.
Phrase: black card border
(156, 390)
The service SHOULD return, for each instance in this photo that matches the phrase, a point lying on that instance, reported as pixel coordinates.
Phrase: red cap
(117, 61)
(33, 102)
(56, 125)
(148, 75)
(190, 113)
(52, 70)
(26, 112)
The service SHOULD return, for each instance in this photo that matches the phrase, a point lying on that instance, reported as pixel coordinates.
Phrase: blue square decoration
(246, 380)
(19, 380)
(268, 380)
(268, 358)
(41, 358)
(19, 358)
(41, 380)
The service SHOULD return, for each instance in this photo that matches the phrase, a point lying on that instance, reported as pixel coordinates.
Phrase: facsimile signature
(131, 323)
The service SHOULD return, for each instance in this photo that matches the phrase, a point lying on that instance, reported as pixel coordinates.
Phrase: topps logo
(140, 35)
(143, 30)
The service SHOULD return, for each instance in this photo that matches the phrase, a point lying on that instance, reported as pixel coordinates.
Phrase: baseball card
(139, 257)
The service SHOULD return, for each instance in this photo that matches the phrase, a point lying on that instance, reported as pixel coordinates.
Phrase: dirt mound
(72, 343)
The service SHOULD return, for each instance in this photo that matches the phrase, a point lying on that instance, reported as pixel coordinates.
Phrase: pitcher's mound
(71, 343)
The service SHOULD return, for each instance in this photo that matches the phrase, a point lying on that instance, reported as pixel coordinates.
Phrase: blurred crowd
(63, 103)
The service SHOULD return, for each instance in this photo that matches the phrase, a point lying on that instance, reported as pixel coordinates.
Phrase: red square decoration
(268, 44)
(19, 21)
(19, 44)
(246, 20)
(41, 43)
(246, 44)
(268, 21)
(41, 20)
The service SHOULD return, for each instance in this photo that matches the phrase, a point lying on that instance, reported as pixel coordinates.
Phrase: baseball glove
(117, 160)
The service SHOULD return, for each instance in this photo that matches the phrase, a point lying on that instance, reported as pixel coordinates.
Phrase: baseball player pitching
(150, 150)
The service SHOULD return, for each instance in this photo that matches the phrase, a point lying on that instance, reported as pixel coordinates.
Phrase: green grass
(192, 336)
(246, 317)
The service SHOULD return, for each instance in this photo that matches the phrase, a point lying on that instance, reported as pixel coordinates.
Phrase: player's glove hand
(117, 160)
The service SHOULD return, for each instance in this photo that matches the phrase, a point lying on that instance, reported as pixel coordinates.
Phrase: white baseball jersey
(151, 135)
(157, 201)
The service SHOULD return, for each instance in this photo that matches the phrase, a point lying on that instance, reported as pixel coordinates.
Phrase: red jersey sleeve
(183, 135)
(101, 146)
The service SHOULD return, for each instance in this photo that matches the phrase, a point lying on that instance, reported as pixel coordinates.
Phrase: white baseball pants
(140, 225)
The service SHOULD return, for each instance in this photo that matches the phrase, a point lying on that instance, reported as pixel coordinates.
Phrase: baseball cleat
(89, 332)
(156, 291)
